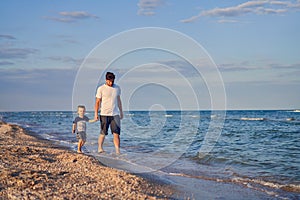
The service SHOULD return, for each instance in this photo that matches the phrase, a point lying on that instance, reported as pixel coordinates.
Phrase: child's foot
(79, 151)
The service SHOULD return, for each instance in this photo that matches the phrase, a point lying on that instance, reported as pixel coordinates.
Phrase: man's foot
(101, 151)
(118, 151)
(79, 151)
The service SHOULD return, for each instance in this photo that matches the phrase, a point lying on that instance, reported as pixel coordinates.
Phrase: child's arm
(74, 128)
(92, 120)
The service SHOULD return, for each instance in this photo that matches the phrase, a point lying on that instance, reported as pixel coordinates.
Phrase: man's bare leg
(117, 142)
(100, 143)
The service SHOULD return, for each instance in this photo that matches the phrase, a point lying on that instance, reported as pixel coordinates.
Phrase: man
(109, 101)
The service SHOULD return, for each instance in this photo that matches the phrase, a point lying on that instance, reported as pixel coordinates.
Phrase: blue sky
(255, 45)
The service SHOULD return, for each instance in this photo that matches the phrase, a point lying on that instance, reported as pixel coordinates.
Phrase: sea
(255, 149)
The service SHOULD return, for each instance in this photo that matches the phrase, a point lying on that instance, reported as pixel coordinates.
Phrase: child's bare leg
(80, 144)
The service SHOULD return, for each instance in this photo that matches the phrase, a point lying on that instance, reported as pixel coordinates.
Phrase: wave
(290, 119)
(296, 111)
(123, 162)
(253, 118)
(285, 187)
(271, 188)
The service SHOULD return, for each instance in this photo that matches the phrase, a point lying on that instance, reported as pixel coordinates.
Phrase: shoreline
(33, 167)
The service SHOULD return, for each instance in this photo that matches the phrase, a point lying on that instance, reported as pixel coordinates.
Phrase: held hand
(93, 120)
(121, 115)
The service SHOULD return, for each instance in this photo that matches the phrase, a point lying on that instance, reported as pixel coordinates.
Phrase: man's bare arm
(96, 108)
(120, 107)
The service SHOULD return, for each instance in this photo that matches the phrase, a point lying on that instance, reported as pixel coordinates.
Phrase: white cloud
(147, 7)
(66, 59)
(70, 17)
(77, 15)
(257, 65)
(271, 11)
(18, 53)
(222, 21)
(250, 4)
(9, 37)
(6, 63)
(191, 19)
(250, 7)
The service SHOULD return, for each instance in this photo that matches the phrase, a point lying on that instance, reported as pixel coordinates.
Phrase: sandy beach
(34, 168)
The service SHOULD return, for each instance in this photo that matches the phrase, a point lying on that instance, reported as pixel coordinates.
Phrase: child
(79, 126)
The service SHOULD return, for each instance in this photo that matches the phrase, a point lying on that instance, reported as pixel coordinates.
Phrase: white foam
(290, 119)
(253, 118)
(268, 184)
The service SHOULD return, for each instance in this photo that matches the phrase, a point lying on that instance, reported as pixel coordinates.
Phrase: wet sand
(34, 168)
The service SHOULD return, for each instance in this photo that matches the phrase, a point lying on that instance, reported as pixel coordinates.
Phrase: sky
(45, 48)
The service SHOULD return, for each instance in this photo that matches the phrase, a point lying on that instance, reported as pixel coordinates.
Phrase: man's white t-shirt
(109, 96)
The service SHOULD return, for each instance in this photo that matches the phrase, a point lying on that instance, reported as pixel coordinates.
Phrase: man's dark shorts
(113, 122)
